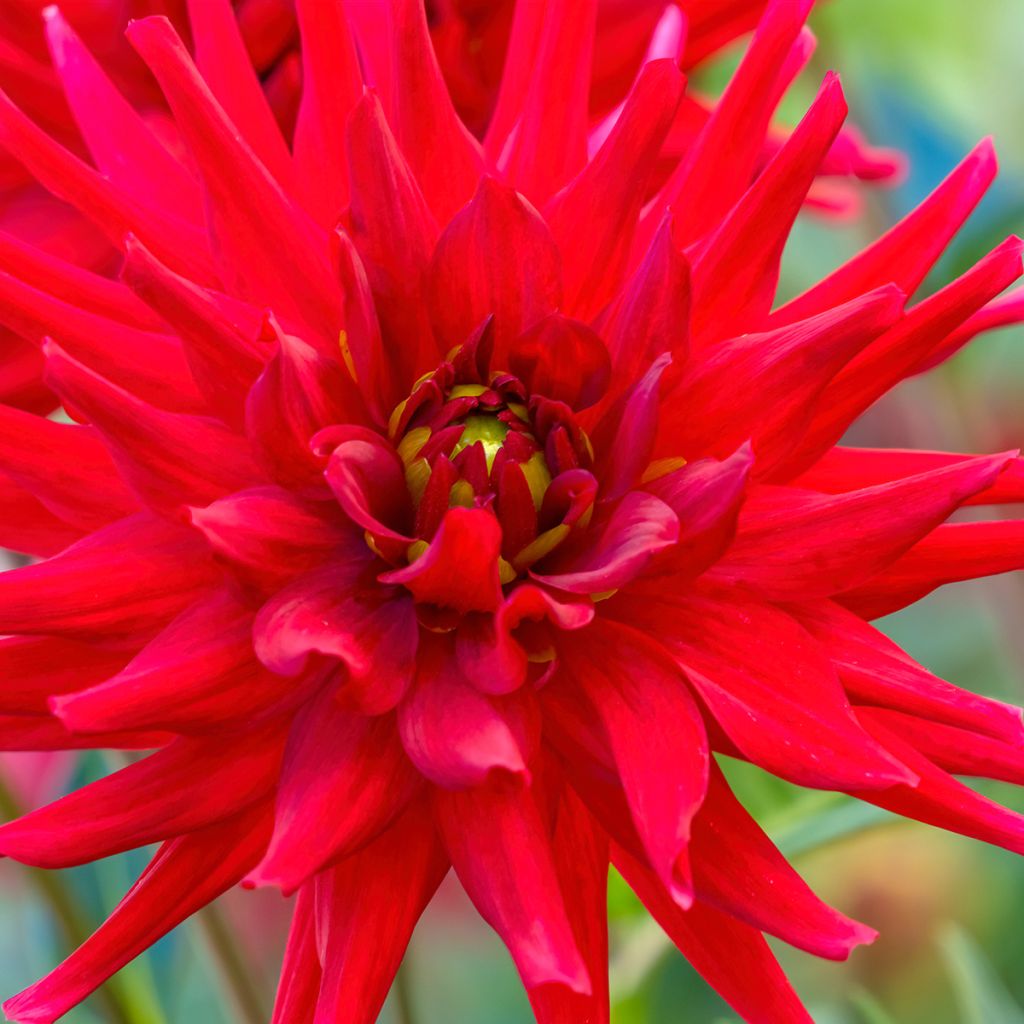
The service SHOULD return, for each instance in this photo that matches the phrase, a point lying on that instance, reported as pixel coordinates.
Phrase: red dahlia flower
(469, 532)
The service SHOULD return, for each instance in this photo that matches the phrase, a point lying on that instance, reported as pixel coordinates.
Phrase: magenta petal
(373, 632)
(706, 496)
(367, 478)
(490, 656)
(639, 526)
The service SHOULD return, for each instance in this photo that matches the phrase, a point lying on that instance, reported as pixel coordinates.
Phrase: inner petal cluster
(474, 438)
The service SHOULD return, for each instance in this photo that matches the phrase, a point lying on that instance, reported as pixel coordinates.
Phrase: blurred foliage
(931, 79)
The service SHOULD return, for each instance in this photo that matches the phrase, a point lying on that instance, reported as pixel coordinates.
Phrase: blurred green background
(930, 78)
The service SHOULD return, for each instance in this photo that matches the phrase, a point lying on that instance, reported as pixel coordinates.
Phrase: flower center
(473, 438)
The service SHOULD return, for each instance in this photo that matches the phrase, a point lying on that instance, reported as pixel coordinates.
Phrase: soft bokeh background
(931, 78)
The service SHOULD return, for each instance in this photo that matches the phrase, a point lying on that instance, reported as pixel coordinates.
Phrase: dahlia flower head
(441, 504)
(470, 39)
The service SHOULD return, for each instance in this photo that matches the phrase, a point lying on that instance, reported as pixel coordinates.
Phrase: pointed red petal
(594, 217)
(445, 157)
(907, 251)
(34, 669)
(496, 258)
(119, 140)
(87, 492)
(226, 68)
(786, 548)
(501, 850)
(394, 232)
(707, 414)
(127, 578)
(184, 875)
(299, 393)
(299, 986)
(951, 553)
(554, 105)
(654, 732)
(738, 870)
(345, 777)
(719, 165)
(706, 497)
(456, 735)
(732, 957)
(460, 567)
(875, 671)
(271, 251)
(580, 848)
(183, 787)
(331, 85)
(268, 535)
(169, 459)
(736, 270)
(771, 688)
(217, 334)
(638, 528)
(192, 678)
(380, 892)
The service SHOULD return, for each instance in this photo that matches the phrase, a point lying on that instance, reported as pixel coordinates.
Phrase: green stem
(74, 924)
(235, 974)
(403, 995)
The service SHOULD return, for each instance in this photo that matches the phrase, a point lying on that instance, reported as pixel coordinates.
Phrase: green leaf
(869, 1009)
(980, 992)
(822, 819)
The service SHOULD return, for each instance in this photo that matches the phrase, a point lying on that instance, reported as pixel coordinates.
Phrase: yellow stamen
(662, 467)
(411, 445)
(541, 657)
(416, 550)
(538, 477)
(396, 417)
(467, 391)
(346, 355)
(541, 546)
(461, 495)
(417, 476)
